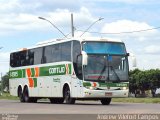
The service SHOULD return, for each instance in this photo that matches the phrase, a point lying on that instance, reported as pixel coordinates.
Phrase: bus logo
(32, 74)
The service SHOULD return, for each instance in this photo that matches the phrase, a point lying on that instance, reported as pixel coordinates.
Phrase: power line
(144, 30)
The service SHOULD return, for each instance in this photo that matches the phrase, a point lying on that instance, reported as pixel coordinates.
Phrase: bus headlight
(124, 88)
(92, 88)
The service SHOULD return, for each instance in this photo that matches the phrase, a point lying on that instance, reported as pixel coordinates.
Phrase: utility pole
(72, 26)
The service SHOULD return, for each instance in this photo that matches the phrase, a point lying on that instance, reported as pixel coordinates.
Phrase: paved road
(81, 107)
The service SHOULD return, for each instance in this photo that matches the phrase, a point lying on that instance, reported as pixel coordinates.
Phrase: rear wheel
(106, 101)
(20, 94)
(67, 96)
(26, 95)
(33, 100)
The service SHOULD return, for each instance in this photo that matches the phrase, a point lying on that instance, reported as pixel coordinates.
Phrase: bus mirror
(84, 58)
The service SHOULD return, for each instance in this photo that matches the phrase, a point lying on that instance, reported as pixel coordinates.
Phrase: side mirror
(84, 58)
(133, 59)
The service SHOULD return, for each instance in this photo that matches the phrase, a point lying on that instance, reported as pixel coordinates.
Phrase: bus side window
(13, 62)
(76, 57)
(66, 51)
(37, 55)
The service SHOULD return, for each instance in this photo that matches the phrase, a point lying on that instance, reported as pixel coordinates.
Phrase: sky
(21, 28)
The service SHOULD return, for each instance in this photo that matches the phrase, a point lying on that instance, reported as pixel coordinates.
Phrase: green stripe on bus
(86, 84)
(43, 71)
(113, 84)
(32, 72)
(15, 74)
(24, 73)
(35, 82)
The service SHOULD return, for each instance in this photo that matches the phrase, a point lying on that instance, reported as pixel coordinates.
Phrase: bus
(66, 70)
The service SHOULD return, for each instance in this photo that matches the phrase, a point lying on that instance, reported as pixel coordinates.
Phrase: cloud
(148, 61)
(4, 62)
(121, 26)
(126, 1)
(17, 22)
(152, 49)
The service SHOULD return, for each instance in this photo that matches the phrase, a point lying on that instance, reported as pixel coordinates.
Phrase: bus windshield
(106, 62)
(104, 48)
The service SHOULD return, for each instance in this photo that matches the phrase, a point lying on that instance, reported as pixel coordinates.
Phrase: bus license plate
(108, 94)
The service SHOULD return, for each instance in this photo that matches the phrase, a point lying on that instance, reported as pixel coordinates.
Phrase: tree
(5, 81)
(140, 81)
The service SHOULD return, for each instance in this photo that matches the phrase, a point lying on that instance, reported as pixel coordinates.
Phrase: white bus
(70, 69)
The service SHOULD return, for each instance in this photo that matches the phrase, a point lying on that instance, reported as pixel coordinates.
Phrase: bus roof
(55, 41)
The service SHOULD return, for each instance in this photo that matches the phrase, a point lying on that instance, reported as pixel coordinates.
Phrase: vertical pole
(72, 27)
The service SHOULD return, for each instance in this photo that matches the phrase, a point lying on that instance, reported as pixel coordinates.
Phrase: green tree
(5, 81)
(140, 81)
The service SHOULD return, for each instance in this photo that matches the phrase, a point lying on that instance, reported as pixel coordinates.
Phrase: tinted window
(76, 50)
(66, 51)
(30, 57)
(37, 56)
(52, 53)
(58, 52)
(77, 63)
(27, 57)
(104, 48)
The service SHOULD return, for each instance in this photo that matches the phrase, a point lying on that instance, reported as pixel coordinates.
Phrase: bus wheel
(33, 100)
(60, 100)
(106, 101)
(26, 95)
(67, 97)
(20, 94)
(57, 100)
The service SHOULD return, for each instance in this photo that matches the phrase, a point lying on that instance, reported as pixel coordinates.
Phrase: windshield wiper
(100, 76)
(115, 73)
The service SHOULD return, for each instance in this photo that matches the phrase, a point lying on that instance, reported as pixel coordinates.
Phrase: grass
(8, 96)
(137, 100)
(123, 100)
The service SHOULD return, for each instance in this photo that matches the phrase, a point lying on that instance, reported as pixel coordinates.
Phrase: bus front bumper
(105, 93)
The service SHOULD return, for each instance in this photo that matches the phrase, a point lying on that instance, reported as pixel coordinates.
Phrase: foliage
(5, 81)
(136, 100)
(140, 81)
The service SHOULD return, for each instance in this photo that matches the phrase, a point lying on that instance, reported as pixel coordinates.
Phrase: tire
(33, 100)
(26, 95)
(106, 101)
(67, 97)
(20, 95)
(57, 100)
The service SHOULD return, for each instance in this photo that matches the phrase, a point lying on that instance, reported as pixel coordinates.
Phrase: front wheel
(67, 96)
(106, 101)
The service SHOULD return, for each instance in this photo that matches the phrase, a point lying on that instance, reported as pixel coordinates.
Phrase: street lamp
(91, 25)
(53, 25)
